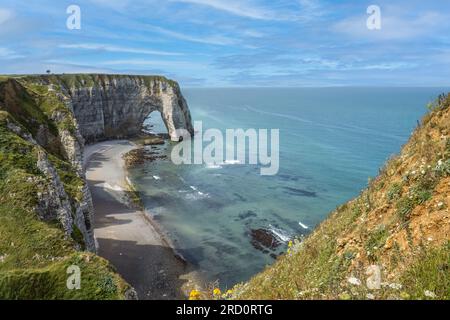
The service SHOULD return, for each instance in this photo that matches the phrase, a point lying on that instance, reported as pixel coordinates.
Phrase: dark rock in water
(134, 157)
(247, 214)
(300, 192)
(241, 198)
(211, 203)
(263, 239)
(140, 156)
(287, 177)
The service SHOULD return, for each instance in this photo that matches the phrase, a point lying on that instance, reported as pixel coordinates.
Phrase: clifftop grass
(90, 80)
(35, 254)
(399, 225)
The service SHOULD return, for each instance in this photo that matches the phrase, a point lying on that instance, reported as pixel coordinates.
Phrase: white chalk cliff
(115, 106)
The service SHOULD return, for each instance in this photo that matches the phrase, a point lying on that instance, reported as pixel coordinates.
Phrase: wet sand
(125, 236)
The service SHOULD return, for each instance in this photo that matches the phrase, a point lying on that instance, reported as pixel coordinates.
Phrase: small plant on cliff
(107, 285)
(441, 103)
(394, 191)
(443, 168)
(377, 239)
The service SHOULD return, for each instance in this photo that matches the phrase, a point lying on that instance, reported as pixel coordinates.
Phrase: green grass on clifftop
(90, 80)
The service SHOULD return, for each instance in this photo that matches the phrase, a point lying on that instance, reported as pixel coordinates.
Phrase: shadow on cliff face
(152, 270)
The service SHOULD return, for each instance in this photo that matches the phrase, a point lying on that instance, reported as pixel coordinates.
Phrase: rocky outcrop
(115, 106)
(53, 201)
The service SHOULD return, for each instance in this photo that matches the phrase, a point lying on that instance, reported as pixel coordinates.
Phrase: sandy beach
(124, 235)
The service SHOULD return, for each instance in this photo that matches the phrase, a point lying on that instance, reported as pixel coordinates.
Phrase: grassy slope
(35, 255)
(400, 223)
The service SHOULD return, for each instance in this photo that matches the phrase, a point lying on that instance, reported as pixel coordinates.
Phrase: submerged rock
(263, 239)
(300, 192)
(247, 214)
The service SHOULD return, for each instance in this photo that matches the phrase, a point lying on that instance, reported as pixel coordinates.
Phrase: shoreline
(127, 236)
(147, 215)
(130, 187)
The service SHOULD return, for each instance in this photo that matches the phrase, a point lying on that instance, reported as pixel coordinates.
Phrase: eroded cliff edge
(46, 210)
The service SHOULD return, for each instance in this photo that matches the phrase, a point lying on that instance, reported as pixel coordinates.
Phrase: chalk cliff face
(115, 106)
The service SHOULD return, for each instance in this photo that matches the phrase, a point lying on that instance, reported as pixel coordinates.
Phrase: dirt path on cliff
(124, 235)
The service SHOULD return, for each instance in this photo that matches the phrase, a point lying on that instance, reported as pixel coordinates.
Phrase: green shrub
(394, 191)
(421, 196)
(78, 237)
(404, 207)
(376, 240)
(107, 285)
(430, 273)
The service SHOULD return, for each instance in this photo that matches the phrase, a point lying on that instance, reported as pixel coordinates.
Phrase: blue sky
(222, 43)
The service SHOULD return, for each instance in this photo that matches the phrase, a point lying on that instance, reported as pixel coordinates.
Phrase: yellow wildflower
(194, 295)
(290, 244)
(217, 292)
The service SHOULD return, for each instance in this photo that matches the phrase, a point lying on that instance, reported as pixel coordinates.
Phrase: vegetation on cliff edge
(391, 242)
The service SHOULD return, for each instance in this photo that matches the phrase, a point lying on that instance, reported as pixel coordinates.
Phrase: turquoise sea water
(331, 141)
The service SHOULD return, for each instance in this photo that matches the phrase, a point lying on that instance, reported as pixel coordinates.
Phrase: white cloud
(248, 9)
(215, 40)
(253, 9)
(440, 56)
(154, 63)
(311, 8)
(111, 48)
(239, 8)
(6, 53)
(387, 66)
(252, 33)
(5, 15)
(115, 4)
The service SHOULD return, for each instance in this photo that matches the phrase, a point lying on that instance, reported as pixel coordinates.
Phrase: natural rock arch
(117, 106)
